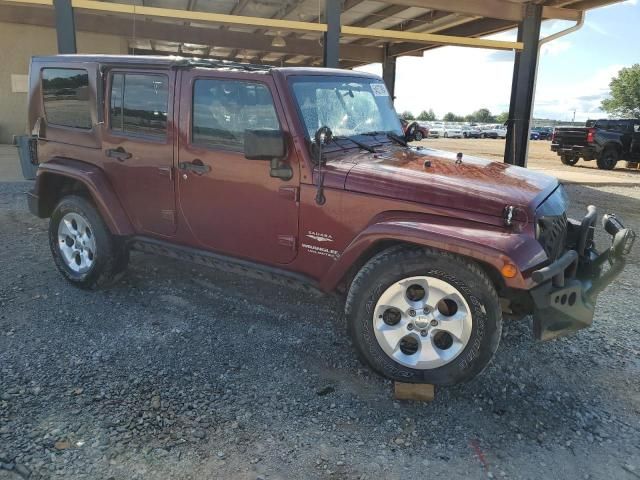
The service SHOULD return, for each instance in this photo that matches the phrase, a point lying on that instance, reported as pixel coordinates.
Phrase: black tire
(397, 263)
(570, 160)
(446, 135)
(608, 158)
(419, 136)
(110, 258)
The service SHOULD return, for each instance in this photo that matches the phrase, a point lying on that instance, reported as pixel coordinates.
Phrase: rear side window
(224, 109)
(138, 104)
(65, 95)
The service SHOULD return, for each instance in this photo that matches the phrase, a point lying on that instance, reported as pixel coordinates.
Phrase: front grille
(553, 235)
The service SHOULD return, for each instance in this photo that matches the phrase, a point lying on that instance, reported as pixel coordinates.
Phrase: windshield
(347, 105)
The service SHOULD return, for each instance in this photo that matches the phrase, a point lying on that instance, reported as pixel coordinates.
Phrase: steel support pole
(65, 26)
(389, 71)
(523, 87)
(332, 10)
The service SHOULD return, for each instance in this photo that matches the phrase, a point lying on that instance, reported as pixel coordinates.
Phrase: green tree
(427, 116)
(624, 96)
(452, 117)
(502, 117)
(407, 115)
(483, 116)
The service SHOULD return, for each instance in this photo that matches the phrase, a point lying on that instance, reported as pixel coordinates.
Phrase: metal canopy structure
(335, 33)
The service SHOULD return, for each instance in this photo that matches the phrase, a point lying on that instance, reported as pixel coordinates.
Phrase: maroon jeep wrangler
(305, 175)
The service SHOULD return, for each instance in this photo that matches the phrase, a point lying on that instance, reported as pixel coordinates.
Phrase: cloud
(501, 56)
(559, 101)
(555, 47)
(591, 25)
(453, 79)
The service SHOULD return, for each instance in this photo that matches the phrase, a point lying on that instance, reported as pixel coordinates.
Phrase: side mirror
(268, 145)
(264, 144)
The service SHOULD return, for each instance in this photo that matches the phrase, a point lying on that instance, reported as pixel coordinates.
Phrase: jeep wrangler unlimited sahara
(305, 174)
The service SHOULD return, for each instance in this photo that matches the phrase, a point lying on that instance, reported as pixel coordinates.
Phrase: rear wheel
(83, 249)
(608, 158)
(423, 316)
(570, 160)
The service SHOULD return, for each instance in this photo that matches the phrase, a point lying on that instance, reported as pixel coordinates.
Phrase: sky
(573, 74)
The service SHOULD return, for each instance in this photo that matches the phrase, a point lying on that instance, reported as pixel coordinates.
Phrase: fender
(488, 244)
(96, 182)
(617, 144)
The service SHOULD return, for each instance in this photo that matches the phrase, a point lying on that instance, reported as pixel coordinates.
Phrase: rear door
(138, 146)
(231, 204)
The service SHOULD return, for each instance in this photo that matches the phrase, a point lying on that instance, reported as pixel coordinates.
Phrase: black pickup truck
(605, 141)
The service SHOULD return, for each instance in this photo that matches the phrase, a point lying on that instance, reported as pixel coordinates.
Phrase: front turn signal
(509, 270)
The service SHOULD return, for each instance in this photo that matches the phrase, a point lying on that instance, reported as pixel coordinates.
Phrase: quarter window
(65, 94)
(224, 109)
(138, 104)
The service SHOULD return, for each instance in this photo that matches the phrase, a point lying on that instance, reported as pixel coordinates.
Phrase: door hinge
(288, 241)
(290, 193)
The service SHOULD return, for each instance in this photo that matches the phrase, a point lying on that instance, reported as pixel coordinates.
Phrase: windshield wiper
(396, 138)
(364, 146)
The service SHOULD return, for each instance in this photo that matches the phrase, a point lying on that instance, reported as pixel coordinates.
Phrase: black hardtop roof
(164, 61)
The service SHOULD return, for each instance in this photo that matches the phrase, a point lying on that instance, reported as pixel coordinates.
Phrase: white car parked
(436, 130)
(452, 131)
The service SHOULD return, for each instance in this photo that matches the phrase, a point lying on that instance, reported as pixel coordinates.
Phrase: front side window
(138, 104)
(347, 105)
(65, 94)
(224, 109)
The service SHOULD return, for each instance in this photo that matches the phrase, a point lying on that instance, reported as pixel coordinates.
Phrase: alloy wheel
(422, 322)
(76, 242)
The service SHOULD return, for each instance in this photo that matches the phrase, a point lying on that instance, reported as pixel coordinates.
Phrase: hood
(475, 185)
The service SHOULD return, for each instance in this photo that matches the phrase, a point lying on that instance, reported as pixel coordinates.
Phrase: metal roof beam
(501, 9)
(484, 26)
(183, 34)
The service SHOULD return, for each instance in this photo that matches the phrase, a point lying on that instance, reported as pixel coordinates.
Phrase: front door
(228, 203)
(138, 147)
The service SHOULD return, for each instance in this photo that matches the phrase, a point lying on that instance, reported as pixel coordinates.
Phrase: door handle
(118, 153)
(196, 166)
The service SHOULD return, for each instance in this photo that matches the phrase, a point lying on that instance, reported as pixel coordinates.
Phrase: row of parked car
(438, 130)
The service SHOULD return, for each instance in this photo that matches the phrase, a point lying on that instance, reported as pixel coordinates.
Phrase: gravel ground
(186, 373)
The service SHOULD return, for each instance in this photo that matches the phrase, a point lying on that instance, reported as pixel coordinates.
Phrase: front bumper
(567, 290)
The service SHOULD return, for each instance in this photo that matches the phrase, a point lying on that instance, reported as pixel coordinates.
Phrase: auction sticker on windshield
(379, 90)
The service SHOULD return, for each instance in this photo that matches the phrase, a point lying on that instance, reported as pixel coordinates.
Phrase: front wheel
(83, 249)
(446, 135)
(419, 136)
(418, 315)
